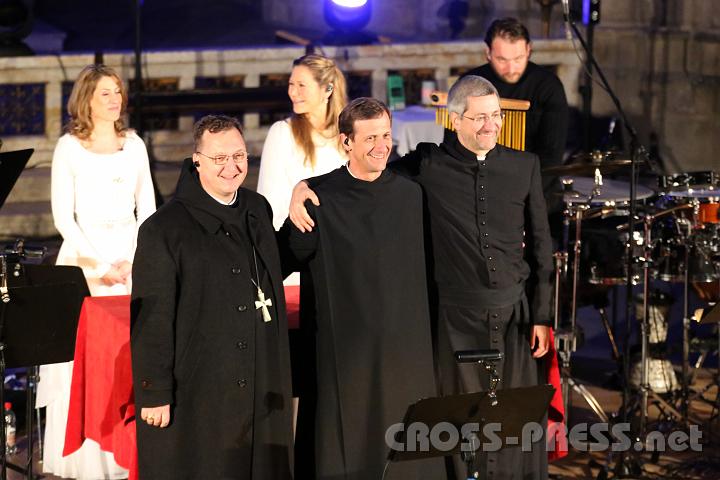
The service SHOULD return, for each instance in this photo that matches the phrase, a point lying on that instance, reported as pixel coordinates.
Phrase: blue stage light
(350, 3)
(347, 15)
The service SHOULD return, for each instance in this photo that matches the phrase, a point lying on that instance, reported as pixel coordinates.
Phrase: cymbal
(585, 164)
(582, 190)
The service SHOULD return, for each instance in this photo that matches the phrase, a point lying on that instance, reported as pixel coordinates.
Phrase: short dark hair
(214, 124)
(508, 28)
(363, 108)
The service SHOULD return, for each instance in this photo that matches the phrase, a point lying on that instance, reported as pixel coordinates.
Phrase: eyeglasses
(238, 157)
(481, 120)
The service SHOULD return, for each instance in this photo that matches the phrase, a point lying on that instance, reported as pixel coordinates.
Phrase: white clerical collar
(222, 202)
(480, 158)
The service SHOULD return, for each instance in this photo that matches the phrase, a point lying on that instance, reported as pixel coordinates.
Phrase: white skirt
(87, 463)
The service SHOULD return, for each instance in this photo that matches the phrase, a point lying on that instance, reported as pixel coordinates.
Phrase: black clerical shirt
(488, 221)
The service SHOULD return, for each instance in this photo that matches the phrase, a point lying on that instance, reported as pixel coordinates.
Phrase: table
(102, 406)
(413, 125)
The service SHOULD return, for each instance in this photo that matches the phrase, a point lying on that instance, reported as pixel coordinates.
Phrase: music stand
(38, 325)
(514, 409)
(11, 166)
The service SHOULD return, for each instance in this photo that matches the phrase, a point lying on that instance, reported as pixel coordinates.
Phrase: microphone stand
(638, 153)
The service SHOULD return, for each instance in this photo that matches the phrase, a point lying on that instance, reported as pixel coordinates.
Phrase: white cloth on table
(282, 166)
(98, 203)
(413, 125)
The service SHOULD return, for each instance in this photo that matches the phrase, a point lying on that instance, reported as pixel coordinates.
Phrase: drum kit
(675, 238)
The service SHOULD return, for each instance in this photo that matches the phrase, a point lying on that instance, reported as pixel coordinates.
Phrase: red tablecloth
(556, 412)
(102, 407)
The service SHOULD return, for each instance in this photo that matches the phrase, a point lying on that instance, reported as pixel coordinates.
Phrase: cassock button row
(482, 199)
(482, 187)
(490, 259)
(486, 234)
(494, 315)
(242, 345)
(483, 223)
(495, 327)
(235, 270)
(483, 212)
(146, 384)
(493, 269)
(486, 246)
(242, 383)
(242, 308)
(227, 234)
(482, 164)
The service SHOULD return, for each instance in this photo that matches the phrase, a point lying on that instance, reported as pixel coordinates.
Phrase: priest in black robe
(491, 259)
(211, 368)
(510, 70)
(374, 352)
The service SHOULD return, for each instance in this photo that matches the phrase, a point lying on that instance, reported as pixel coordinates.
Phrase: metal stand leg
(609, 332)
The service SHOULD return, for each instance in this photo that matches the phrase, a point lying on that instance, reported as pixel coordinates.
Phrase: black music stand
(513, 409)
(38, 325)
(11, 166)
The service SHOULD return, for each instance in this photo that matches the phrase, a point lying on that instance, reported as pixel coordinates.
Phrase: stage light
(347, 18)
(350, 3)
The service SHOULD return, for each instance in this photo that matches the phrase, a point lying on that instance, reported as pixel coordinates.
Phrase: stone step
(27, 212)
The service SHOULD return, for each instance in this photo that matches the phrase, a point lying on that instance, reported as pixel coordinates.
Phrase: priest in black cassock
(491, 257)
(374, 353)
(510, 70)
(209, 340)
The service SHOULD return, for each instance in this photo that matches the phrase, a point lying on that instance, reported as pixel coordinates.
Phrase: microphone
(476, 356)
(566, 17)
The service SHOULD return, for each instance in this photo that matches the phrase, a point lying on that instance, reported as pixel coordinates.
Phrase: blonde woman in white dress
(101, 193)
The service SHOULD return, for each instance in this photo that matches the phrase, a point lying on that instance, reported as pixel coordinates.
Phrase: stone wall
(184, 67)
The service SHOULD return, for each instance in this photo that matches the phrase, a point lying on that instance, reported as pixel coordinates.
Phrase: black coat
(374, 350)
(199, 344)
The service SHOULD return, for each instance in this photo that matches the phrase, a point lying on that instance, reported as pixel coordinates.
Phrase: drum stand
(566, 339)
(645, 391)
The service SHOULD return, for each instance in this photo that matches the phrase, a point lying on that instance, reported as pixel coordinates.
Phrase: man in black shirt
(509, 68)
(491, 261)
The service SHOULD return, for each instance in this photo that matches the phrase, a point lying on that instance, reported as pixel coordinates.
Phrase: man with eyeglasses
(491, 263)
(211, 368)
(509, 68)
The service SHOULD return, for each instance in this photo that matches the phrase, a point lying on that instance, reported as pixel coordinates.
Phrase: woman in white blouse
(307, 144)
(101, 192)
